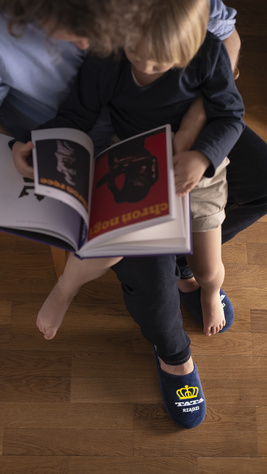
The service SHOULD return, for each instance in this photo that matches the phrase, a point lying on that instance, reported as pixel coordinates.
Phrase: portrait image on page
(62, 167)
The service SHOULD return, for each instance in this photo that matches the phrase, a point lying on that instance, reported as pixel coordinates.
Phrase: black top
(136, 109)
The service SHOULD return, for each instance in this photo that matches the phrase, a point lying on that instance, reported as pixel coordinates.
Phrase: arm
(189, 166)
(195, 118)
(222, 24)
(233, 44)
(223, 105)
(80, 110)
(192, 123)
(224, 110)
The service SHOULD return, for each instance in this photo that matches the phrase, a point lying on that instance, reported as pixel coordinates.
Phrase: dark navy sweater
(134, 109)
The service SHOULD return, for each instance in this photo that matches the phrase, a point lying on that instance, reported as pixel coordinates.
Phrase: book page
(21, 208)
(133, 185)
(172, 237)
(63, 166)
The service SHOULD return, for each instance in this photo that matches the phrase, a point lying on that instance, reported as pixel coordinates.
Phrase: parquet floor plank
(222, 465)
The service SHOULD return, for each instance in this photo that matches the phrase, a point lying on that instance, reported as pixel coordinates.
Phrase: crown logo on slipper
(187, 392)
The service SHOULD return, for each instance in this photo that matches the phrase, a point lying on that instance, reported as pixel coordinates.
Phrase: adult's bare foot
(53, 310)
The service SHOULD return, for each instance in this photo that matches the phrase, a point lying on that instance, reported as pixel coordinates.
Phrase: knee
(209, 274)
(141, 274)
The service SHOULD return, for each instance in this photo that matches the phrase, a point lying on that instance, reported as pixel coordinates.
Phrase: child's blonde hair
(174, 30)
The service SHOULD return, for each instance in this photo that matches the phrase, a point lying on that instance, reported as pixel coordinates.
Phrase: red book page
(113, 191)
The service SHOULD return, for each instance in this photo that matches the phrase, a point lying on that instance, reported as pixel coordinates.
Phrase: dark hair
(96, 20)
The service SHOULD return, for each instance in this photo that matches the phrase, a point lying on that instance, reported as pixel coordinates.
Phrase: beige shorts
(208, 200)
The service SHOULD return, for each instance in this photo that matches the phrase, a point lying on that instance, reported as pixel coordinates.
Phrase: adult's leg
(151, 297)
(247, 189)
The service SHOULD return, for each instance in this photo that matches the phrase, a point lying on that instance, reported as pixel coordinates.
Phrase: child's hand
(21, 153)
(189, 167)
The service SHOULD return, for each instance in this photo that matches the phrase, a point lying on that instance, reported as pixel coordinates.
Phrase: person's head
(165, 34)
(86, 23)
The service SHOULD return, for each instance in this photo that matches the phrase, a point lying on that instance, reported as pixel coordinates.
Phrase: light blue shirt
(222, 19)
(36, 71)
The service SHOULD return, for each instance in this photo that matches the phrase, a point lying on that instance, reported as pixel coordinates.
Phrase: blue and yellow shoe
(182, 396)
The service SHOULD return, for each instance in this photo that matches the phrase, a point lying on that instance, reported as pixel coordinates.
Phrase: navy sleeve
(222, 102)
(92, 89)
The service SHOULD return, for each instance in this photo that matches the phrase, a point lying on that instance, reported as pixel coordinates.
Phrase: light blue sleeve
(222, 19)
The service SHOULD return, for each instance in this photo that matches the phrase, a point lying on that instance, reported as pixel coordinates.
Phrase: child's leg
(77, 272)
(208, 269)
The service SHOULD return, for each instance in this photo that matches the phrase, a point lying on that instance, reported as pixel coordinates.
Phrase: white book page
(20, 208)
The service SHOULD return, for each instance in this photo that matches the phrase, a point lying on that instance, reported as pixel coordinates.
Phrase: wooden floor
(89, 401)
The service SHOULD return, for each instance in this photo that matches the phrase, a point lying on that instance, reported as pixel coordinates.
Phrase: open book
(120, 203)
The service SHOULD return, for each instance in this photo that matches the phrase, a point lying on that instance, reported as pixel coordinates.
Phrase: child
(153, 83)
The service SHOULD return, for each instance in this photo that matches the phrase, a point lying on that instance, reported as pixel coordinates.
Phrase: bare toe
(207, 331)
(49, 333)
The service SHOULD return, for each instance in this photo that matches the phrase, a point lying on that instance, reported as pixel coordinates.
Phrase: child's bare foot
(213, 314)
(52, 312)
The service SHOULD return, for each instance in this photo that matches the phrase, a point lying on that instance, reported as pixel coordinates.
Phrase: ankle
(183, 369)
(66, 291)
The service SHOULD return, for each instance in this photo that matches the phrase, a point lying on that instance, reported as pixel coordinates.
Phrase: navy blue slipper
(182, 396)
(191, 301)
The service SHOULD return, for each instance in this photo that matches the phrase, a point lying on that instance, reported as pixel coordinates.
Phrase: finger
(28, 173)
(28, 146)
(25, 170)
(182, 190)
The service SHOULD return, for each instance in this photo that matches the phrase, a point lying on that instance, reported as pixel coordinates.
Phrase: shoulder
(31, 42)
(211, 56)
(211, 43)
(211, 50)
